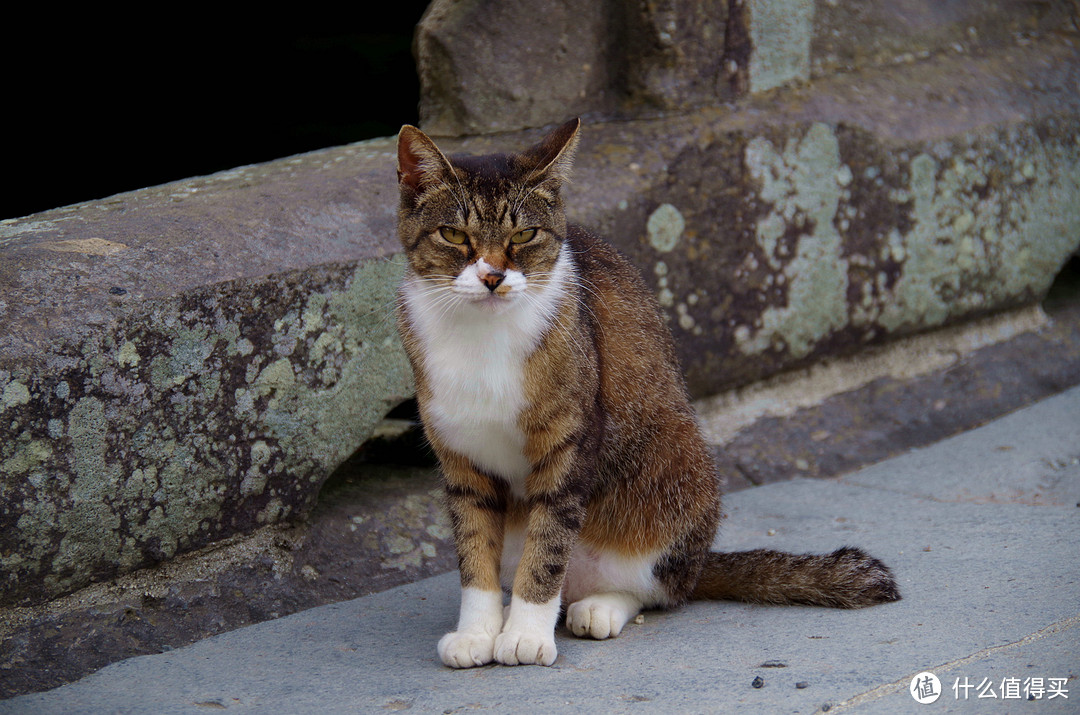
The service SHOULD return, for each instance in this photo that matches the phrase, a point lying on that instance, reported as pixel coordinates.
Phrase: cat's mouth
(493, 302)
(485, 300)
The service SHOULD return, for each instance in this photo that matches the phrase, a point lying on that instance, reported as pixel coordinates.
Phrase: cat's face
(486, 230)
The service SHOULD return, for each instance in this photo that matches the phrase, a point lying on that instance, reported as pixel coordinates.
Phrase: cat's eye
(453, 235)
(523, 236)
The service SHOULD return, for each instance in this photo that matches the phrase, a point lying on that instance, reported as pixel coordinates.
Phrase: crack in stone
(899, 685)
(979, 499)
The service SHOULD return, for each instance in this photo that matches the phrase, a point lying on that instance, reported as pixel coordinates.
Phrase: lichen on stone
(802, 183)
(206, 414)
(15, 393)
(665, 227)
(977, 240)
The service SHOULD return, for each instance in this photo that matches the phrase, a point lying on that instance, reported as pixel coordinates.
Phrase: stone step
(379, 520)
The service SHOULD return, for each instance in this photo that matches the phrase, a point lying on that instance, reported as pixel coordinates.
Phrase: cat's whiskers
(524, 195)
(446, 302)
(460, 195)
(574, 338)
(566, 280)
(585, 285)
(520, 201)
(571, 279)
(442, 299)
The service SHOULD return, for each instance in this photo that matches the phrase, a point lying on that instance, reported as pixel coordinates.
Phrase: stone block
(487, 66)
(852, 36)
(772, 43)
(490, 66)
(185, 363)
(189, 362)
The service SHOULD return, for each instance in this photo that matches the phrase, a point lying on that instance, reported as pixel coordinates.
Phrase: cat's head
(488, 229)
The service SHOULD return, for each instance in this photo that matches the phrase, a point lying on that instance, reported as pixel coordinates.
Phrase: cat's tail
(846, 578)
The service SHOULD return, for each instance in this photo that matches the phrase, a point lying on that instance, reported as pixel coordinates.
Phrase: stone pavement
(981, 530)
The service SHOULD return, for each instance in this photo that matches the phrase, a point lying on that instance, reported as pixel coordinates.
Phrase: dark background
(95, 104)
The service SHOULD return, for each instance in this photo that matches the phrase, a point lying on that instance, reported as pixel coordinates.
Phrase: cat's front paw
(466, 649)
(525, 648)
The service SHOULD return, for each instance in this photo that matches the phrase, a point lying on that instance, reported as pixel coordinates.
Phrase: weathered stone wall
(191, 361)
(489, 65)
(787, 241)
(848, 37)
(213, 412)
(564, 57)
(197, 373)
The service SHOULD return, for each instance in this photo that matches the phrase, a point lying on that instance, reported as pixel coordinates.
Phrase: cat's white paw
(529, 634)
(602, 615)
(464, 649)
(479, 621)
(525, 648)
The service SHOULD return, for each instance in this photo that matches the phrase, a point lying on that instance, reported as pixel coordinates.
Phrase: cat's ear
(420, 163)
(553, 158)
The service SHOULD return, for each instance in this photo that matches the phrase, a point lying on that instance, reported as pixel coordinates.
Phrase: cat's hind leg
(605, 589)
(602, 615)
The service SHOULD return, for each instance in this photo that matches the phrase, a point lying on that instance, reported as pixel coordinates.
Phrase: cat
(548, 386)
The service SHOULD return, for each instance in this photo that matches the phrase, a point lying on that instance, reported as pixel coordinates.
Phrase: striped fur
(547, 380)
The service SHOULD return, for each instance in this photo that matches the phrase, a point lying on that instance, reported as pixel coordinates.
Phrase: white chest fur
(474, 360)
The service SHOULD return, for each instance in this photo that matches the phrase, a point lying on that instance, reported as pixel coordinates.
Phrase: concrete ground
(982, 530)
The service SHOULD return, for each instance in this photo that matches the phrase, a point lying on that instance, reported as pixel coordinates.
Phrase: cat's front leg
(555, 518)
(477, 507)
(529, 634)
(479, 623)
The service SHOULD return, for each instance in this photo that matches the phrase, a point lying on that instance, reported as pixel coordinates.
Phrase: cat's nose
(493, 279)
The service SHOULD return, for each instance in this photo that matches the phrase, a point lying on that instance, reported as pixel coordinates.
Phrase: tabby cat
(549, 389)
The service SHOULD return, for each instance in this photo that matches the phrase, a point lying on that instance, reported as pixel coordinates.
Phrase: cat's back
(630, 325)
(598, 260)
(642, 391)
